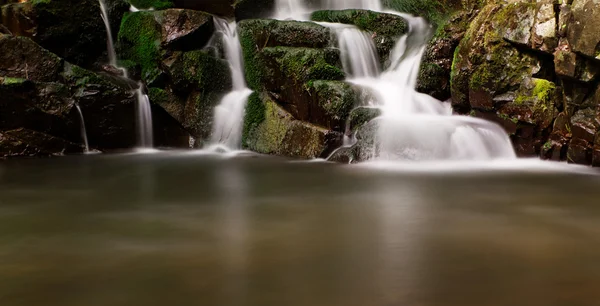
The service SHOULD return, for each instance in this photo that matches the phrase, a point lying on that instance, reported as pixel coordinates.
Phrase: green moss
(543, 90)
(158, 95)
(547, 146)
(199, 70)
(303, 64)
(254, 116)
(155, 4)
(139, 41)
(337, 98)
(433, 10)
(11, 81)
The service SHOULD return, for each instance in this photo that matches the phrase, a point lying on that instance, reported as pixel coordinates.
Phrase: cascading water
(374, 5)
(357, 51)
(83, 131)
(143, 110)
(229, 114)
(144, 119)
(290, 9)
(415, 126)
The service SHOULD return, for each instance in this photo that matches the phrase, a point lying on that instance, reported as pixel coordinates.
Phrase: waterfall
(144, 120)
(291, 9)
(374, 5)
(415, 126)
(143, 110)
(229, 114)
(112, 55)
(83, 131)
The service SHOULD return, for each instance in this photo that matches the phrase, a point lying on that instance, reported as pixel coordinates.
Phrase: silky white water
(83, 131)
(144, 120)
(229, 114)
(144, 127)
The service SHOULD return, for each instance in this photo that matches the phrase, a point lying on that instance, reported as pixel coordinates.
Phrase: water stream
(83, 131)
(229, 114)
(143, 108)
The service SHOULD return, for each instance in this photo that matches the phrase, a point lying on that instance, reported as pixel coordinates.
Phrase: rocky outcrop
(72, 29)
(23, 142)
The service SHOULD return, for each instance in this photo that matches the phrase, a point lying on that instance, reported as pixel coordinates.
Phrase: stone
(24, 142)
(217, 7)
(185, 29)
(329, 105)
(21, 57)
(565, 63)
(582, 32)
(269, 129)
(361, 116)
(198, 70)
(584, 125)
(545, 37)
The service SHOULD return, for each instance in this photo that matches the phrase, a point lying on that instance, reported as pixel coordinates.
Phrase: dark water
(169, 229)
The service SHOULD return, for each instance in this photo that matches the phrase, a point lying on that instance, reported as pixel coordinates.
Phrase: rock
(253, 9)
(596, 151)
(147, 38)
(185, 29)
(257, 34)
(152, 4)
(361, 116)
(269, 129)
(199, 70)
(579, 152)
(72, 29)
(330, 104)
(217, 7)
(23, 142)
(168, 101)
(39, 106)
(565, 63)
(584, 125)
(385, 28)
(582, 31)
(545, 37)
(20, 57)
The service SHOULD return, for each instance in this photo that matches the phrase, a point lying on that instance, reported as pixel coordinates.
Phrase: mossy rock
(198, 70)
(331, 103)
(374, 22)
(168, 101)
(361, 116)
(139, 41)
(152, 4)
(257, 34)
(269, 129)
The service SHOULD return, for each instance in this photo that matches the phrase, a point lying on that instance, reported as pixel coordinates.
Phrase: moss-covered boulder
(73, 29)
(385, 28)
(149, 37)
(199, 70)
(24, 142)
(257, 34)
(269, 129)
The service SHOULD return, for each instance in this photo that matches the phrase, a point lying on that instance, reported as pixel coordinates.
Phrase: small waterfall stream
(83, 131)
(144, 132)
(229, 114)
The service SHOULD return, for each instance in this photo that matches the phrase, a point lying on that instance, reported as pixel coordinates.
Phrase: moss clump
(11, 81)
(336, 98)
(254, 116)
(380, 23)
(139, 42)
(155, 4)
(303, 64)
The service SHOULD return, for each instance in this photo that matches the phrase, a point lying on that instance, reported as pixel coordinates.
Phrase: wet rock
(24, 142)
(579, 152)
(361, 116)
(269, 129)
(565, 63)
(584, 125)
(20, 57)
(582, 31)
(330, 104)
(201, 71)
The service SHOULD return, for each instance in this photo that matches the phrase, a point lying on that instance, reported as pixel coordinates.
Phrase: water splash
(83, 131)
(229, 114)
(144, 120)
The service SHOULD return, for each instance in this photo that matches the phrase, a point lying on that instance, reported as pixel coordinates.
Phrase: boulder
(72, 29)
(20, 57)
(582, 30)
(24, 142)
(149, 37)
(269, 129)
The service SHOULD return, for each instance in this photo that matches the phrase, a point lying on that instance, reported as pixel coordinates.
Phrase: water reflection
(164, 229)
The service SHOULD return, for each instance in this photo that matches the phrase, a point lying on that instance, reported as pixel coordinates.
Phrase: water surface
(189, 229)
